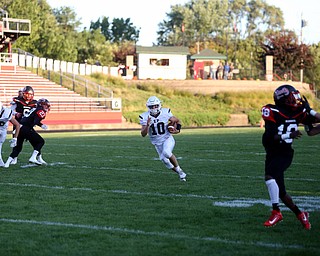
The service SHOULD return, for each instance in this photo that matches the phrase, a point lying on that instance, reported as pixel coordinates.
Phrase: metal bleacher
(69, 110)
(67, 107)
(13, 78)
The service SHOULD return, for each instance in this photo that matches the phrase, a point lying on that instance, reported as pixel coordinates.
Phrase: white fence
(29, 61)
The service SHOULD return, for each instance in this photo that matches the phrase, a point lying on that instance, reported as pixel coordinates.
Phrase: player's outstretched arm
(145, 128)
(309, 109)
(312, 130)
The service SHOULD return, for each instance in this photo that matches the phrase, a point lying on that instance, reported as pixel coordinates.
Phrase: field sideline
(107, 193)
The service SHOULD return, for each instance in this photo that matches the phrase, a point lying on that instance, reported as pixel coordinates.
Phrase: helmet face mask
(28, 93)
(287, 96)
(154, 105)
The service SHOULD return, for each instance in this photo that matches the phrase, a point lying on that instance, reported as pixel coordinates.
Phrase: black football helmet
(44, 103)
(287, 96)
(28, 93)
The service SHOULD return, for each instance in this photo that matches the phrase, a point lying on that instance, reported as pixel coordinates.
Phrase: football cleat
(33, 160)
(303, 217)
(182, 176)
(7, 164)
(274, 219)
(40, 160)
(14, 161)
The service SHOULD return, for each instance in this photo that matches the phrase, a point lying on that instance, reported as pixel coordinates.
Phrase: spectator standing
(230, 75)
(213, 71)
(220, 71)
(226, 70)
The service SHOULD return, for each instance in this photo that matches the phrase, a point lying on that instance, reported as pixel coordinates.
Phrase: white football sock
(273, 190)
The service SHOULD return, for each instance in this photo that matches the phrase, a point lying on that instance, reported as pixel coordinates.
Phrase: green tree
(207, 20)
(104, 26)
(312, 74)
(262, 17)
(93, 47)
(120, 30)
(5, 4)
(44, 28)
(67, 37)
(123, 30)
(200, 20)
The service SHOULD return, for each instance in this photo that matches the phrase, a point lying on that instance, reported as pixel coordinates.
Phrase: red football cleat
(303, 217)
(274, 219)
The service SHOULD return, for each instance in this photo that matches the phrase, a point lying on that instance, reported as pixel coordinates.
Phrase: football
(172, 126)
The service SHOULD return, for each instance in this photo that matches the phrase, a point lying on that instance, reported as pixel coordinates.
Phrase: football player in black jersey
(27, 132)
(281, 128)
(21, 106)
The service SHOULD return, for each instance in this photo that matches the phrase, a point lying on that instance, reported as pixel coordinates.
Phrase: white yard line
(153, 233)
(308, 203)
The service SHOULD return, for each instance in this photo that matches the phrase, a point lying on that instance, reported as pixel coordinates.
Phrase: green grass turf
(106, 193)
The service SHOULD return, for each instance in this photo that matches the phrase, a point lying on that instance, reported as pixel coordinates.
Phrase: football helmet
(28, 93)
(44, 103)
(287, 96)
(154, 105)
(1, 106)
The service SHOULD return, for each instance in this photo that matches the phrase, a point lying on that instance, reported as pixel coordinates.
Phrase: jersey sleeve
(40, 115)
(143, 118)
(267, 114)
(308, 119)
(167, 112)
(13, 104)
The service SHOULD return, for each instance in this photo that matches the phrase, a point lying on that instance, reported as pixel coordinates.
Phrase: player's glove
(13, 142)
(44, 127)
(306, 104)
(295, 134)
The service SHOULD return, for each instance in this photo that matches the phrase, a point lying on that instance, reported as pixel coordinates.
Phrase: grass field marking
(49, 164)
(310, 203)
(111, 191)
(112, 146)
(207, 160)
(158, 234)
(164, 171)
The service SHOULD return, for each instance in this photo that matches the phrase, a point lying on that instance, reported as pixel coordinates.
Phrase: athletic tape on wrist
(312, 112)
(285, 136)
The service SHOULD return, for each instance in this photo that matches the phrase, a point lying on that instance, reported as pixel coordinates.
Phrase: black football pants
(27, 133)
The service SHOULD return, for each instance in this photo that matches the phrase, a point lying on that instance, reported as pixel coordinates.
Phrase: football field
(107, 193)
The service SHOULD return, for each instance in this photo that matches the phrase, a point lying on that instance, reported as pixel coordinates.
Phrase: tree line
(245, 31)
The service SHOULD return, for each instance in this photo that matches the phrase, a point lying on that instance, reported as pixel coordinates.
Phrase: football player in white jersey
(6, 116)
(154, 122)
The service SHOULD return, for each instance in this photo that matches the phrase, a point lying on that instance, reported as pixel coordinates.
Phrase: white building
(162, 62)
